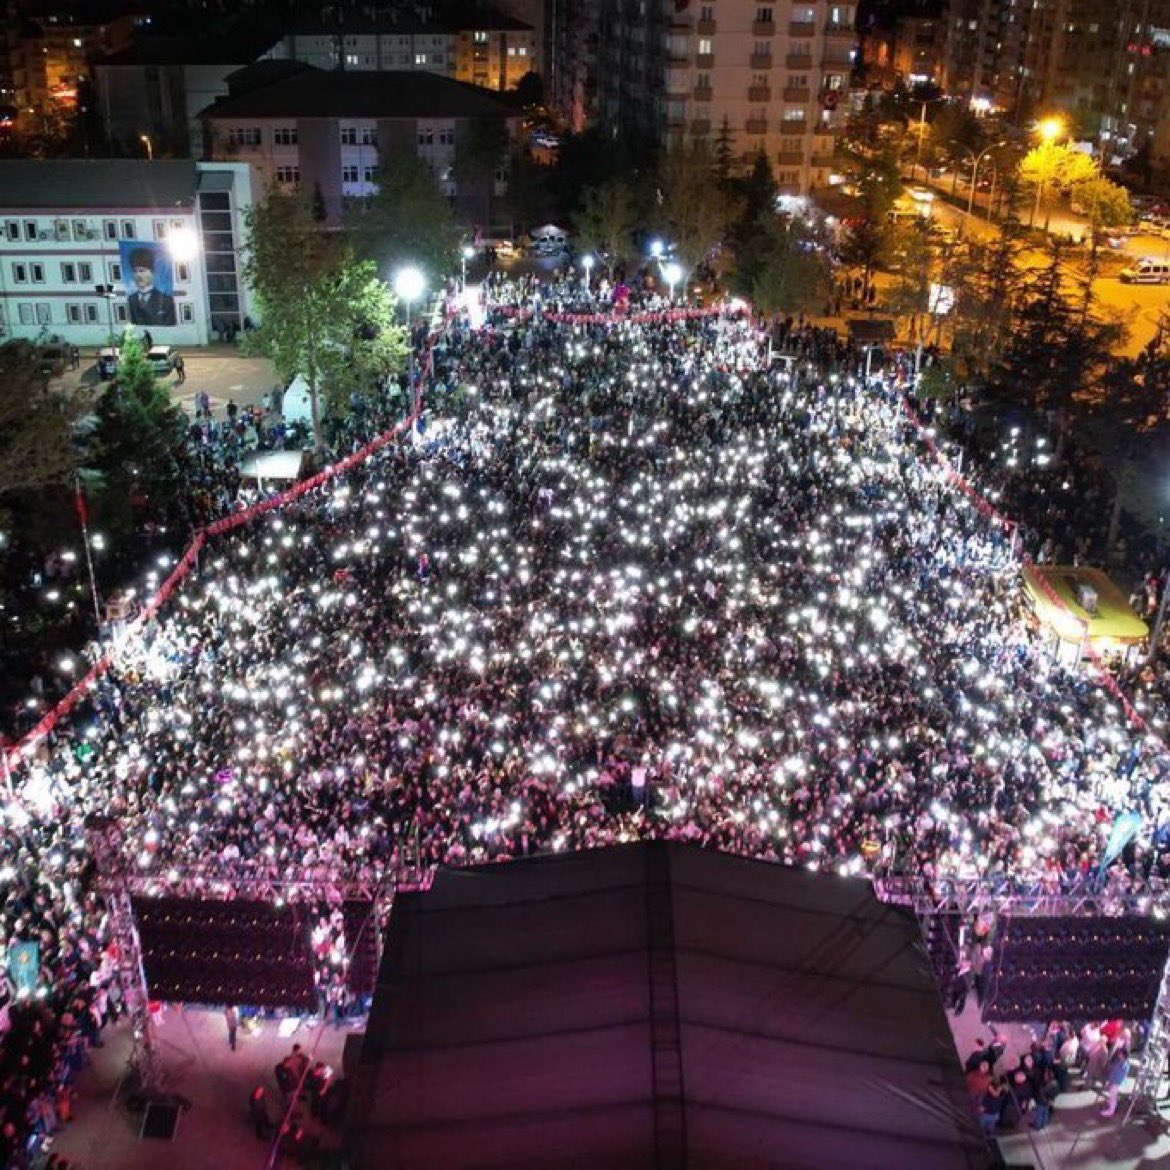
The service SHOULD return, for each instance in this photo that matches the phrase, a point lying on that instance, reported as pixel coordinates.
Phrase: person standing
(1115, 1073)
(180, 369)
(231, 1017)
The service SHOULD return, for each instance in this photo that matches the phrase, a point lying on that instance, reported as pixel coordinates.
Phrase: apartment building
(75, 232)
(484, 48)
(328, 132)
(769, 76)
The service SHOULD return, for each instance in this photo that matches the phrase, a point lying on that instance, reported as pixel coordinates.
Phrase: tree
(135, 446)
(1050, 167)
(908, 248)
(792, 274)
(694, 208)
(1105, 203)
(605, 220)
(408, 220)
(481, 145)
(529, 91)
(864, 246)
(323, 314)
(36, 448)
(724, 150)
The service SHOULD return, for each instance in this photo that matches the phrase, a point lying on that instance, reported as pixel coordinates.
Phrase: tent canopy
(1059, 594)
(657, 1004)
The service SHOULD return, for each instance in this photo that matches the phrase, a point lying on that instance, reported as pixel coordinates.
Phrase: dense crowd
(624, 580)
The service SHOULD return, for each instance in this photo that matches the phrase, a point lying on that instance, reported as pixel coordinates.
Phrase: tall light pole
(1050, 129)
(409, 283)
(107, 293)
(467, 252)
(587, 264)
(975, 176)
(145, 140)
(672, 273)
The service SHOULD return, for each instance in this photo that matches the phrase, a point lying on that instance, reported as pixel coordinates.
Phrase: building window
(80, 230)
(763, 16)
(183, 272)
(349, 136)
(352, 59)
(20, 273)
(110, 229)
(244, 136)
(705, 49)
(420, 58)
(160, 229)
(349, 174)
(37, 271)
(426, 137)
(369, 174)
(12, 229)
(61, 229)
(290, 176)
(73, 314)
(368, 138)
(762, 49)
(447, 137)
(284, 136)
(26, 314)
(794, 113)
(44, 314)
(115, 272)
(91, 314)
(84, 272)
(481, 38)
(706, 12)
(69, 273)
(120, 314)
(30, 229)
(127, 229)
(186, 313)
(834, 81)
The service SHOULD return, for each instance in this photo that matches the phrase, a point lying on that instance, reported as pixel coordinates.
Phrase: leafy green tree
(36, 450)
(134, 449)
(695, 210)
(1050, 168)
(790, 274)
(864, 246)
(909, 253)
(481, 145)
(724, 150)
(605, 220)
(408, 220)
(323, 314)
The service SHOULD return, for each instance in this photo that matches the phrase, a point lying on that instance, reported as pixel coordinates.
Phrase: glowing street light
(466, 253)
(145, 140)
(1049, 129)
(409, 284)
(587, 264)
(656, 249)
(672, 273)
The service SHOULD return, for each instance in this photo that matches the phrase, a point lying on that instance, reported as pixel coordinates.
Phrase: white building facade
(68, 231)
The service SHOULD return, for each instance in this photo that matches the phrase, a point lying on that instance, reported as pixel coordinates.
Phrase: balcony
(705, 60)
(757, 126)
(799, 62)
(760, 61)
(705, 28)
(702, 93)
(763, 28)
(839, 31)
(759, 93)
(801, 29)
(700, 127)
(791, 158)
(794, 126)
(824, 161)
(797, 96)
(678, 58)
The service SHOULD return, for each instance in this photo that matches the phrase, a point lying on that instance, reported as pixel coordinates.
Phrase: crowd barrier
(987, 509)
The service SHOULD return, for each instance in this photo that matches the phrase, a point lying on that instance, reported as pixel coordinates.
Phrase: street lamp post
(1049, 130)
(145, 140)
(466, 253)
(672, 273)
(587, 264)
(975, 177)
(409, 284)
(106, 292)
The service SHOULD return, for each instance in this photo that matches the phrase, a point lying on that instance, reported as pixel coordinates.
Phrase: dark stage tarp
(657, 1005)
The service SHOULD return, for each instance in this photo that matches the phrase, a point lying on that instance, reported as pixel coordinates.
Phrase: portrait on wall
(149, 279)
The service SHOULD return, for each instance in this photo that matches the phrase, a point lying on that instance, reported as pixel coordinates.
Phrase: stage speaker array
(207, 952)
(1075, 968)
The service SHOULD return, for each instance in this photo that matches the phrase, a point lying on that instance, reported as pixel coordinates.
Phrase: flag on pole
(82, 510)
(1125, 829)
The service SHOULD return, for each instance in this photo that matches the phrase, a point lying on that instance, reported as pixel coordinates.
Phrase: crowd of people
(623, 580)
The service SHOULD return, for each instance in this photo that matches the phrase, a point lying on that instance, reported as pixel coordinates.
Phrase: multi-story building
(758, 75)
(572, 77)
(75, 232)
(329, 132)
(49, 60)
(986, 43)
(483, 48)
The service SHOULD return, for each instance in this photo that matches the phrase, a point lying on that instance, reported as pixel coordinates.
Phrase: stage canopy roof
(657, 1005)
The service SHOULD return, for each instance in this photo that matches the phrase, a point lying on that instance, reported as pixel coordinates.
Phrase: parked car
(1147, 272)
(162, 359)
(53, 359)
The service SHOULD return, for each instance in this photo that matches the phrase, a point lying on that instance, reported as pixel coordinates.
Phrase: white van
(1147, 272)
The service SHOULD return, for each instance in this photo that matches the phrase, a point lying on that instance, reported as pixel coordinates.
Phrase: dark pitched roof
(607, 1006)
(97, 183)
(391, 94)
(263, 73)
